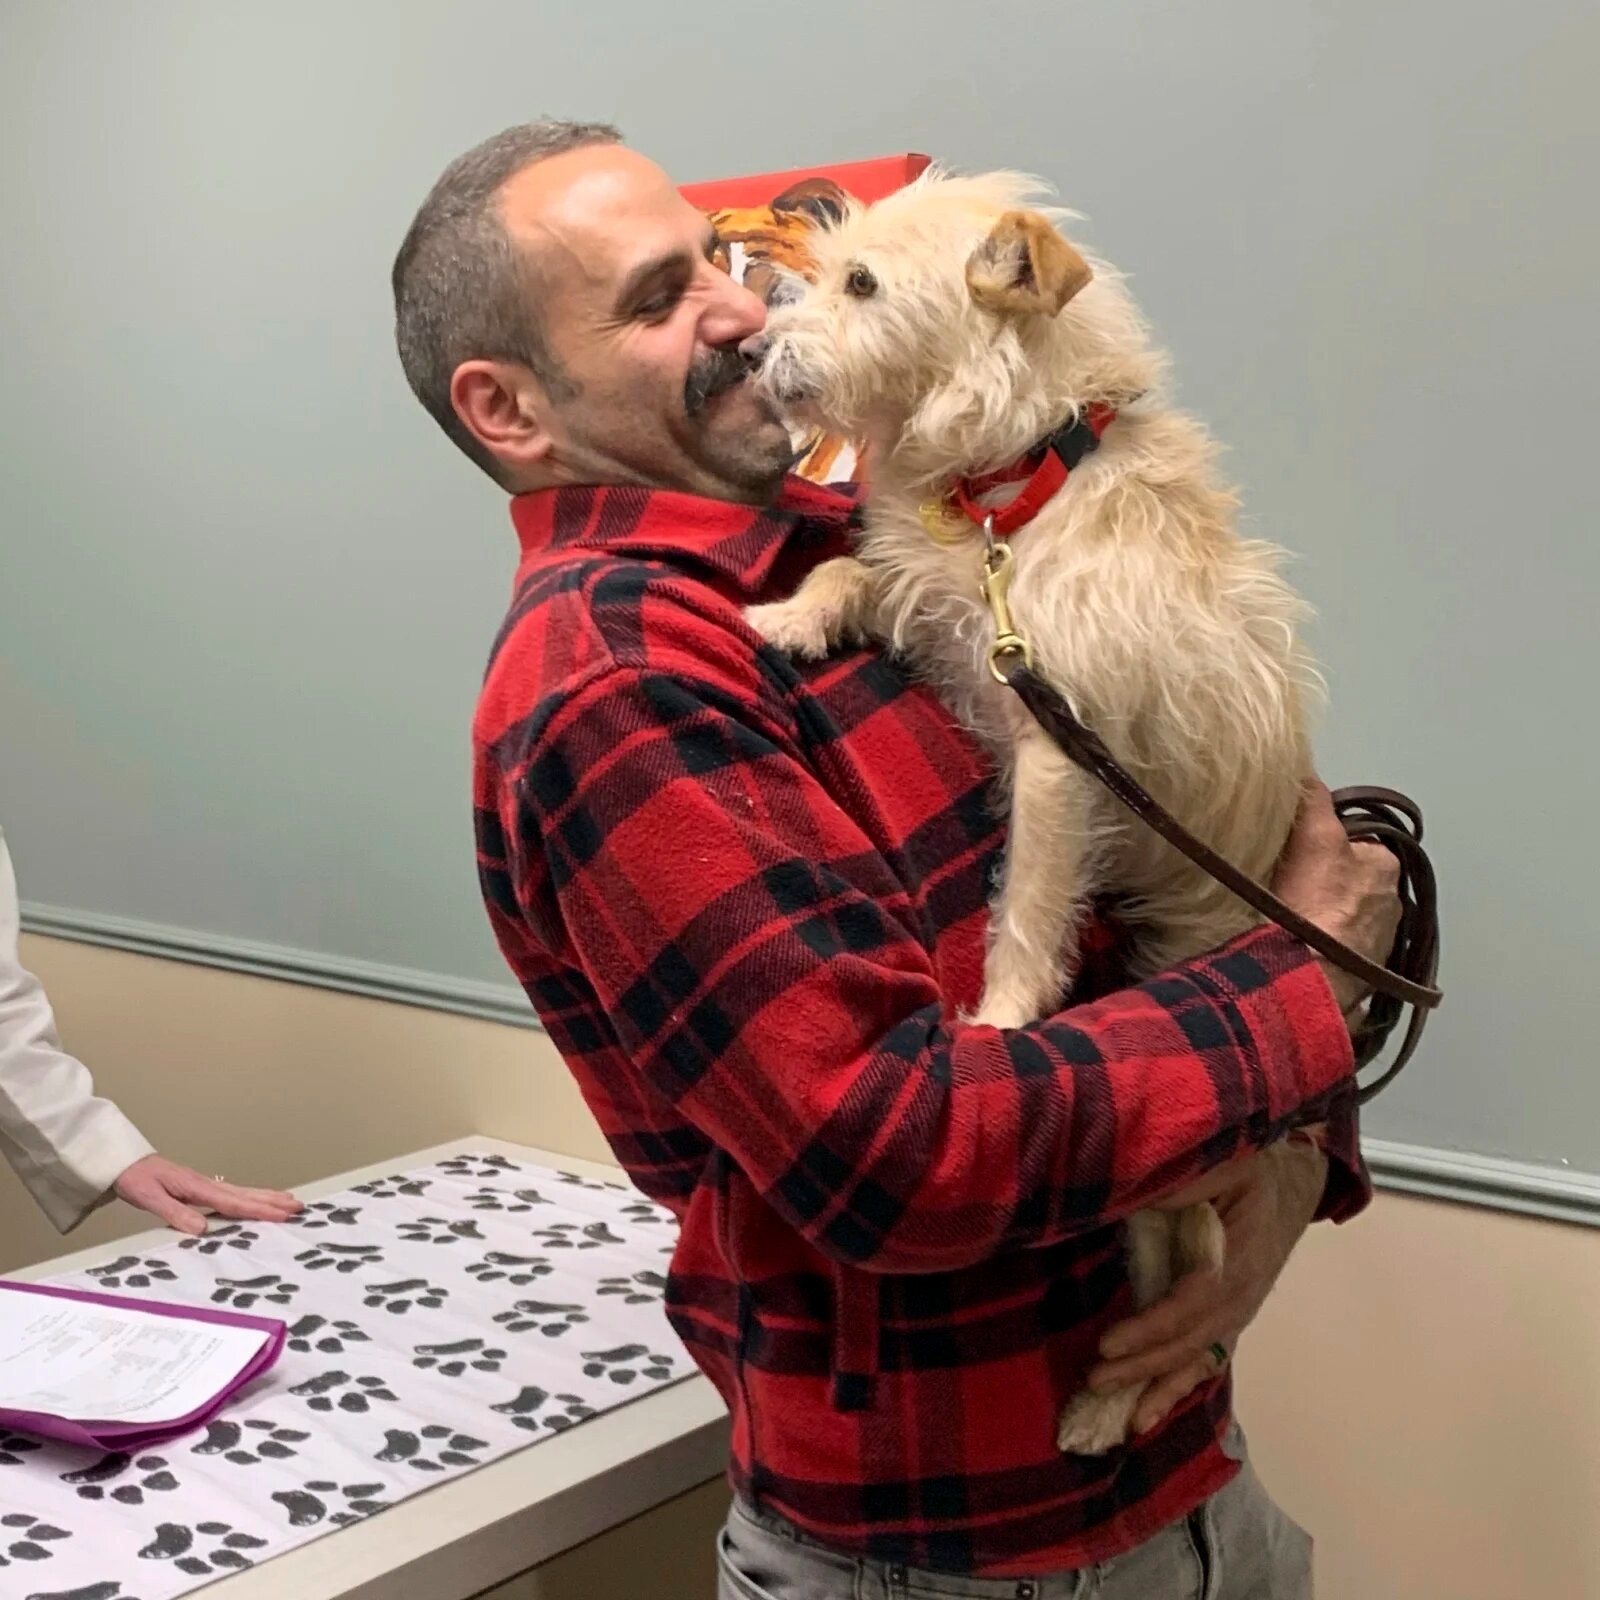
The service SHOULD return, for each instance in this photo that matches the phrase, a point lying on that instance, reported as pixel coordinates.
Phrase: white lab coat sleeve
(66, 1143)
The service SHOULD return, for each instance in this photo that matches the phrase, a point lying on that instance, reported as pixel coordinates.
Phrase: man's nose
(732, 314)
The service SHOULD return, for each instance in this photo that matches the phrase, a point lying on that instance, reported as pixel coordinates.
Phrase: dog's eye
(860, 282)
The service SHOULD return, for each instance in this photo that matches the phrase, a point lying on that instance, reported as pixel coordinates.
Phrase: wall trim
(1559, 1194)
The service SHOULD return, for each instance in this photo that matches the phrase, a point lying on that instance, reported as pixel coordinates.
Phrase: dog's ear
(1025, 266)
(821, 199)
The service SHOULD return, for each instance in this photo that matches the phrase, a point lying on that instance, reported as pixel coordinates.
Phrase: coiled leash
(1369, 815)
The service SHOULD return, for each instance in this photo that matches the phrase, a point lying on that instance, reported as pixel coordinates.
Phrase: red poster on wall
(763, 222)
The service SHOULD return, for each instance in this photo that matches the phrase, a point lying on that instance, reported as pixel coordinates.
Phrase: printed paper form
(94, 1363)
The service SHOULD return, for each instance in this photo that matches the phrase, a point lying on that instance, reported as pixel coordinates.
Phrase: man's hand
(1348, 890)
(171, 1193)
(1266, 1202)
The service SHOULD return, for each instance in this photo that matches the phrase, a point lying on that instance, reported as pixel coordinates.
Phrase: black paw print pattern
(449, 1448)
(150, 1476)
(358, 1394)
(573, 1181)
(325, 1214)
(341, 1257)
(642, 1214)
(637, 1290)
(312, 1332)
(242, 1293)
(249, 1443)
(528, 1410)
(512, 1202)
(576, 1236)
(316, 1502)
(133, 1272)
(518, 1270)
(436, 1230)
(392, 1186)
(224, 1236)
(626, 1363)
(399, 1298)
(26, 1538)
(14, 1446)
(109, 1590)
(218, 1547)
(543, 1316)
(454, 1359)
(476, 1165)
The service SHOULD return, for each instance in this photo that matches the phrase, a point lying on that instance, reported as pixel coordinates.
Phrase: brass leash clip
(998, 566)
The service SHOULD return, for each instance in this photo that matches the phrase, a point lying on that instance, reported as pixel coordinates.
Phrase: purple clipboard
(133, 1436)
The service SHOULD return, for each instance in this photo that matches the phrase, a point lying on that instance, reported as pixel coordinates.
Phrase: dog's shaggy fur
(953, 327)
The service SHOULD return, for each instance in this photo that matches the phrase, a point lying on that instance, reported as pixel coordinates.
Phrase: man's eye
(656, 306)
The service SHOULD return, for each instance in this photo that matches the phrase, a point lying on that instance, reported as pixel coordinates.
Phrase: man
(72, 1149)
(747, 898)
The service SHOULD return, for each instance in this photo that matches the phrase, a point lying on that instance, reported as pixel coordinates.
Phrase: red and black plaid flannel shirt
(747, 898)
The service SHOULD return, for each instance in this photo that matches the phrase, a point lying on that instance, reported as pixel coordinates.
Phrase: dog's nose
(753, 351)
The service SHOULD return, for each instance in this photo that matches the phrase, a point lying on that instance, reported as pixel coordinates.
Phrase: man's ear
(1025, 266)
(503, 406)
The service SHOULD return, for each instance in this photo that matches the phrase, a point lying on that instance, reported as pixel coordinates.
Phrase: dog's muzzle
(777, 371)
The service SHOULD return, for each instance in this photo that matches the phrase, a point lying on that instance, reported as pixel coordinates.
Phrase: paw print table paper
(437, 1319)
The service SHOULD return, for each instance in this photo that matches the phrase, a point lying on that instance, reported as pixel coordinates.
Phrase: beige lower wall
(1423, 1390)
(278, 1083)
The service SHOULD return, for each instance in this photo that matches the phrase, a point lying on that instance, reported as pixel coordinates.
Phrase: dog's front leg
(1034, 921)
(1091, 1424)
(837, 604)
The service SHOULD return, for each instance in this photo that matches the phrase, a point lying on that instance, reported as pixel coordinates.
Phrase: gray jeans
(1237, 1546)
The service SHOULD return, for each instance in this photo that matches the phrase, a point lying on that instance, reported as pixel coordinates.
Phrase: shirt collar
(741, 543)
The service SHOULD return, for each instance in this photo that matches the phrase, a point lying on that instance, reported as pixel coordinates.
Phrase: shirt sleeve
(66, 1143)
(763, 968)
(1348, 1190)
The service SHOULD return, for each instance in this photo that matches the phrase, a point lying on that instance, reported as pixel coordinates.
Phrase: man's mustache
(717, 370)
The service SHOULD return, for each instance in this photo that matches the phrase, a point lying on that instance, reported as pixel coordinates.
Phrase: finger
(164, 1207)
(1154, 1365)
(1315, 824)
(276, 1199)
(228, 1198)
(1192, 1298)
(1163, 1396)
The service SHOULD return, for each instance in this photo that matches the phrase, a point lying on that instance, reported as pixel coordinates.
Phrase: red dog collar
(1041, 472)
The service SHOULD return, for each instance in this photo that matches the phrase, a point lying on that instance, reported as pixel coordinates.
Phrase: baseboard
(1462, 1177)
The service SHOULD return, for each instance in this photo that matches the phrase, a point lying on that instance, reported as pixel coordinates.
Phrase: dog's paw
(1001, 1010)
(1015, 1000)
(798, 630)
(1092, 1424)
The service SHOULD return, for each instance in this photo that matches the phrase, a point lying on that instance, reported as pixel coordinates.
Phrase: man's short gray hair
(461, 291)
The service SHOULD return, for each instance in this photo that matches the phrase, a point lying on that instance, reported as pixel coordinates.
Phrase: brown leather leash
(1370, 815)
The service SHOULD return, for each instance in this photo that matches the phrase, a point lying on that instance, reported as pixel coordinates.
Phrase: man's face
(646, 328)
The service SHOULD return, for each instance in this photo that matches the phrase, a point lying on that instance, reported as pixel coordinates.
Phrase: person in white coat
(73, 1149)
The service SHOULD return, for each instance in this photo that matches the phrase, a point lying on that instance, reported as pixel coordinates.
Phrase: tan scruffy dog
(955, 329)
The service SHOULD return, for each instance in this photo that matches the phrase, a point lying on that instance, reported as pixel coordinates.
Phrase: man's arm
(761, 964)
